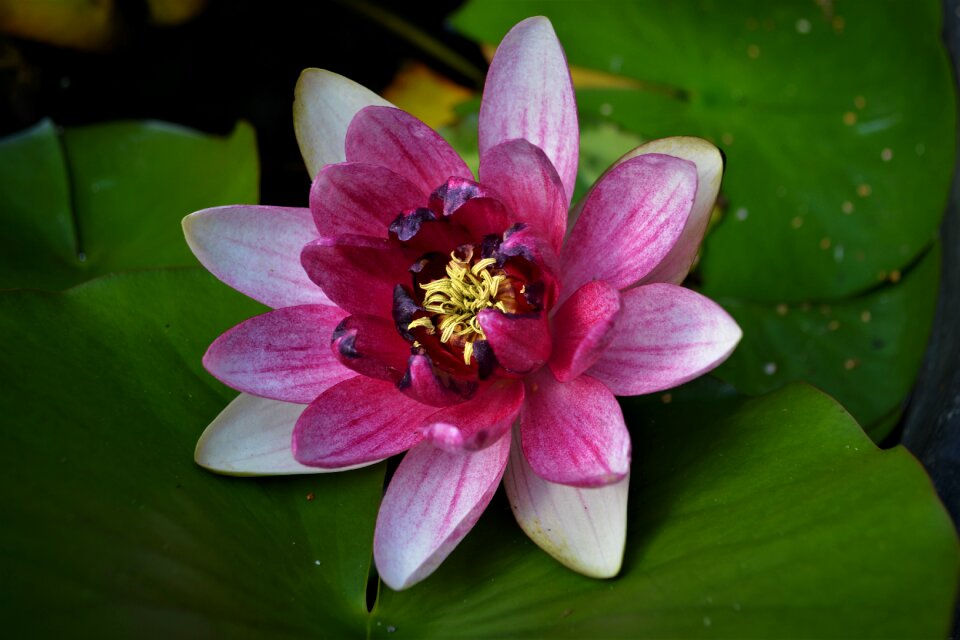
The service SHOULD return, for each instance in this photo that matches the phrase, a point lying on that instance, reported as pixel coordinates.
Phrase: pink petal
(585, 529)
(359, 273)
(434, 499)
(282, 355)
(630, 221)
(675, 266)
(573, 433)
(371, 345)
(478, 423)
(324, 103)
(582, 329)
(483, 216)
(256, 250)
(357, 198)
(529, 94)
(357, 421)
(422, 384)
(529, 185)
(251, 437)
(396, 140)
(667, 336)
(521, 343)
(522, 241)
(423, 230)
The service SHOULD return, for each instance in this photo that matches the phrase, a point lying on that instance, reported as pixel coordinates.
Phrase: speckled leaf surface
(837, 121)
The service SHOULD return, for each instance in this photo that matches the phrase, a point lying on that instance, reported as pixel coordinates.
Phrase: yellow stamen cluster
(456, 300)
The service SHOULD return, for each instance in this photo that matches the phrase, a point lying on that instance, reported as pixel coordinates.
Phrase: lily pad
(110, 528)
(835, 181)
(865, 350)
(816, 106)
(772, 517)
(91, 200)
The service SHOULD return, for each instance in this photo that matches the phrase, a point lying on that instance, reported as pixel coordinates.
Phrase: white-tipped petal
(529, 94)
(251, 437)
(675, 266)
(584, 529)
(256, 250)
(434, 499)
(324, 103)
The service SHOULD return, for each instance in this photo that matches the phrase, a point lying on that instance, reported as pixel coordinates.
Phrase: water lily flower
(419, 309)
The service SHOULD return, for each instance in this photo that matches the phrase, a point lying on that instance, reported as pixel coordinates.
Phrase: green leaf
(92, 200)
(836, 177)
(773, 517)
(837, 121)
(865, 350)
(110, 529)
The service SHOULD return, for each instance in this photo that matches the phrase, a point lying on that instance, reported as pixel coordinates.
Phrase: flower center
(455, 301)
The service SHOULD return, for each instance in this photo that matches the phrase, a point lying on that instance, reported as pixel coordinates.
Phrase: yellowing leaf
(426, 94)
(79, 24)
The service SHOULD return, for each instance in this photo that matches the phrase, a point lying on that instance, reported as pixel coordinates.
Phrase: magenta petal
(667, 335)
(478, 423)
(573, 433)
(281, 355)
(371, 345)
(528, 94)
(630, 221)
(358, 198)
(357, 421)
(582, 329)
(423, 385)
(396, 140)
(359, 273)
(256, 251)
(434, 499)
(520, 343)
(482, 217)
(529, 185)
(675, 266)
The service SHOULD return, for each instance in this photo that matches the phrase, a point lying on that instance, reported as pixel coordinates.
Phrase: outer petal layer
(630, 221)
(251, 437)
(324, 103)
(573, 433)
(395, 139)
(281, 355)
(667, 336)
(527, 183)
(585, 529)
(256, 251)
(433, 501)
(355, 422)
(583, 329)
(529, 94)
(675, 266)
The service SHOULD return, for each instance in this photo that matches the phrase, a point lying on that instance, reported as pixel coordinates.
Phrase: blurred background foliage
(838, 123)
